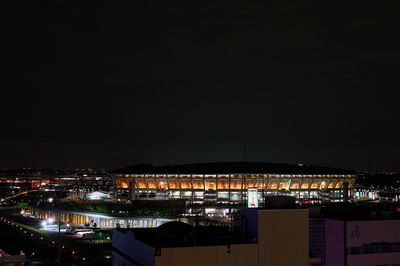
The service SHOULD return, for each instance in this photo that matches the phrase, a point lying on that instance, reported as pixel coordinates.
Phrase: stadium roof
(231, 168)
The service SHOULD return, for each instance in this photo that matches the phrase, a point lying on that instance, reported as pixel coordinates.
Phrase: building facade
(229, 182)
(355, 243)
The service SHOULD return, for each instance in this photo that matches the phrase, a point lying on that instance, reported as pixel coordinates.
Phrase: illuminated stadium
(228, 182)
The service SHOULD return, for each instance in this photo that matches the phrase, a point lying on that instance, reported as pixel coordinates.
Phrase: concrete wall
(283, 238)
(233, 255)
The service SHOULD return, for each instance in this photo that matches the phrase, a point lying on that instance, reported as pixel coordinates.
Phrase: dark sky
(114, 83)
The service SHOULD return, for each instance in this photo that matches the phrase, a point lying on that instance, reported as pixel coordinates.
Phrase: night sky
(109, 84)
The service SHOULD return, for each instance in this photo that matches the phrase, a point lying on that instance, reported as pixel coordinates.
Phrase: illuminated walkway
(101, 220)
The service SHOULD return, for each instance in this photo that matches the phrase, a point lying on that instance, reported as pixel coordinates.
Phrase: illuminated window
(236, 183)
(259, 184)
(151, 183)
(162, 184)
(185, 183)
(295, 184)
(250, 183)
(198, 183)
(173, 183)
(187, 194)
(124, 184)
(315, 184)
(305, 184)
(223, 184)
(284, 184)
(223, 195)
(273, 184)
(211, 184)
(235, 196)
(332, 184)
(198, 194)
(141, 183)
(339, 184)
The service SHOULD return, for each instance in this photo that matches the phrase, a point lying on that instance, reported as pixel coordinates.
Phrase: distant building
(268, 237)
(228, 182)
(98, 195)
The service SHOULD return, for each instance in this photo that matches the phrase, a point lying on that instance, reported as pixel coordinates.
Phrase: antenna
(245, 171)
(34, 164)
(370, 167)
(244, 151)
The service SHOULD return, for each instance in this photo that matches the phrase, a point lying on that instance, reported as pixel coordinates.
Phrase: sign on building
(252, 198)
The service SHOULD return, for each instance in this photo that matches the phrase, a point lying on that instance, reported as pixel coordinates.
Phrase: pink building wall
(334, 242)
(360, 233)
(372, 231)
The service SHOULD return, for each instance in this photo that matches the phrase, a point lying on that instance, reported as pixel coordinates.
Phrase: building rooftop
(179, 234)
(231, 168)
(357, 211)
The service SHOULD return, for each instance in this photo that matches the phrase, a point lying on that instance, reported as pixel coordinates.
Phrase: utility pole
(26, 179)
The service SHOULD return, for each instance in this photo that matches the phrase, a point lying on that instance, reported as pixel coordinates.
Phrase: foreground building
(267, 237)
(228, 182)
(334, 235)
(356, 235)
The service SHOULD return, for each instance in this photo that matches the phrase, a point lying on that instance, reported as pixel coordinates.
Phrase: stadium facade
(227, 183)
